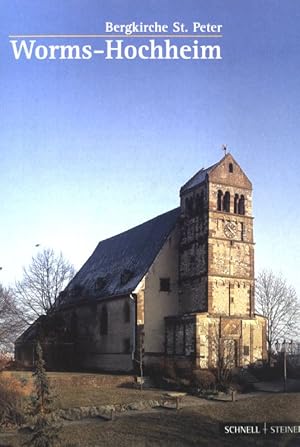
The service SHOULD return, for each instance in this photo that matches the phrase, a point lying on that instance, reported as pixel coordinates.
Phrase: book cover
(132, 137)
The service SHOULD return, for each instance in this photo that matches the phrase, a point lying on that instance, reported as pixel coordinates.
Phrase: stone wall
(193, 250)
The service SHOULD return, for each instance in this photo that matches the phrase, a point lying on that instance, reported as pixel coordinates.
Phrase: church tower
(216, 271)
(230, 241)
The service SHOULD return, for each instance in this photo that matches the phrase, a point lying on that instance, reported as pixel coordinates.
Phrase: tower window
(219, 202)
(241, 206)
(165, 285)
(104, 321)
(230, 167)
(226, 202)
(236, 202)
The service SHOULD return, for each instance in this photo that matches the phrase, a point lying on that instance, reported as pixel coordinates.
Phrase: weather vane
(224, 148)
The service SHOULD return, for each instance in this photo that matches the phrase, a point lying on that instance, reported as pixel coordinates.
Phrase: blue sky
(91, 148)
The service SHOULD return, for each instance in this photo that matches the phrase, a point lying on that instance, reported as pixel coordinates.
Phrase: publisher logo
(259, 428)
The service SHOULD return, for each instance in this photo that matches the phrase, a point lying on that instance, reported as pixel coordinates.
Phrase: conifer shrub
(45, 432)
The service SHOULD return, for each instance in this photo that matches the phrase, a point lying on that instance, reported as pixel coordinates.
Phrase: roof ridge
(139, 225)
(202, 171)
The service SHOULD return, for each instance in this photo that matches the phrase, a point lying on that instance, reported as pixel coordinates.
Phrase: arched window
(242, 205)
(126, 311)
(226, 202)
(230, 167)
(236, 201)
(104, 321)
(219, 202)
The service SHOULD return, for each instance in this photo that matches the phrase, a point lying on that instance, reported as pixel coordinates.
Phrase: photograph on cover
(149, 245)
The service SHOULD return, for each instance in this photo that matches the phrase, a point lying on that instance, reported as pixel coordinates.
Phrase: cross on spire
(224, 148)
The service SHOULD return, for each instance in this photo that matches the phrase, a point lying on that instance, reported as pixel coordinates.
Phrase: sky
(90, 148)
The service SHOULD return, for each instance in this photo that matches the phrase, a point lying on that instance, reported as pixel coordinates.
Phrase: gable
(221, 173)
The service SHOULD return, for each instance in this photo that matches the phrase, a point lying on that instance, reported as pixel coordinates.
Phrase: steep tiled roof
(119, 263)
(198, 178)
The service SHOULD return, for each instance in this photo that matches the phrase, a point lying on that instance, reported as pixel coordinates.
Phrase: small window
(100, 283)
(165, 285)
(126, 276)
(230, 167)
(246, 350)
(241, 207)
(126, 312)
(219, 204)
(226, 202)
(236, 201)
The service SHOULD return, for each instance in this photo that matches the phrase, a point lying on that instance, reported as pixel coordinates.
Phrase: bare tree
(278, 302)
(42, 282)
(11, 321)
(223, 355)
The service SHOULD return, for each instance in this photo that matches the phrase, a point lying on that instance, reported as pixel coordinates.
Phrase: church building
(178, 289)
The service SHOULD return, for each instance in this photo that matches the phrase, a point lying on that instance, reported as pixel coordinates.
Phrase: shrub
(12, 400)
(3, 363)
(45, 432)
(203, 379)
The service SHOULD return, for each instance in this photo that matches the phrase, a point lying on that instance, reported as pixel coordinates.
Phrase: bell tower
(216, 262)
(216, 272)
(230, 241)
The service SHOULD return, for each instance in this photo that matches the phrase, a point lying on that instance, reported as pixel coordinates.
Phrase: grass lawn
(190, 426)
(83, 390)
